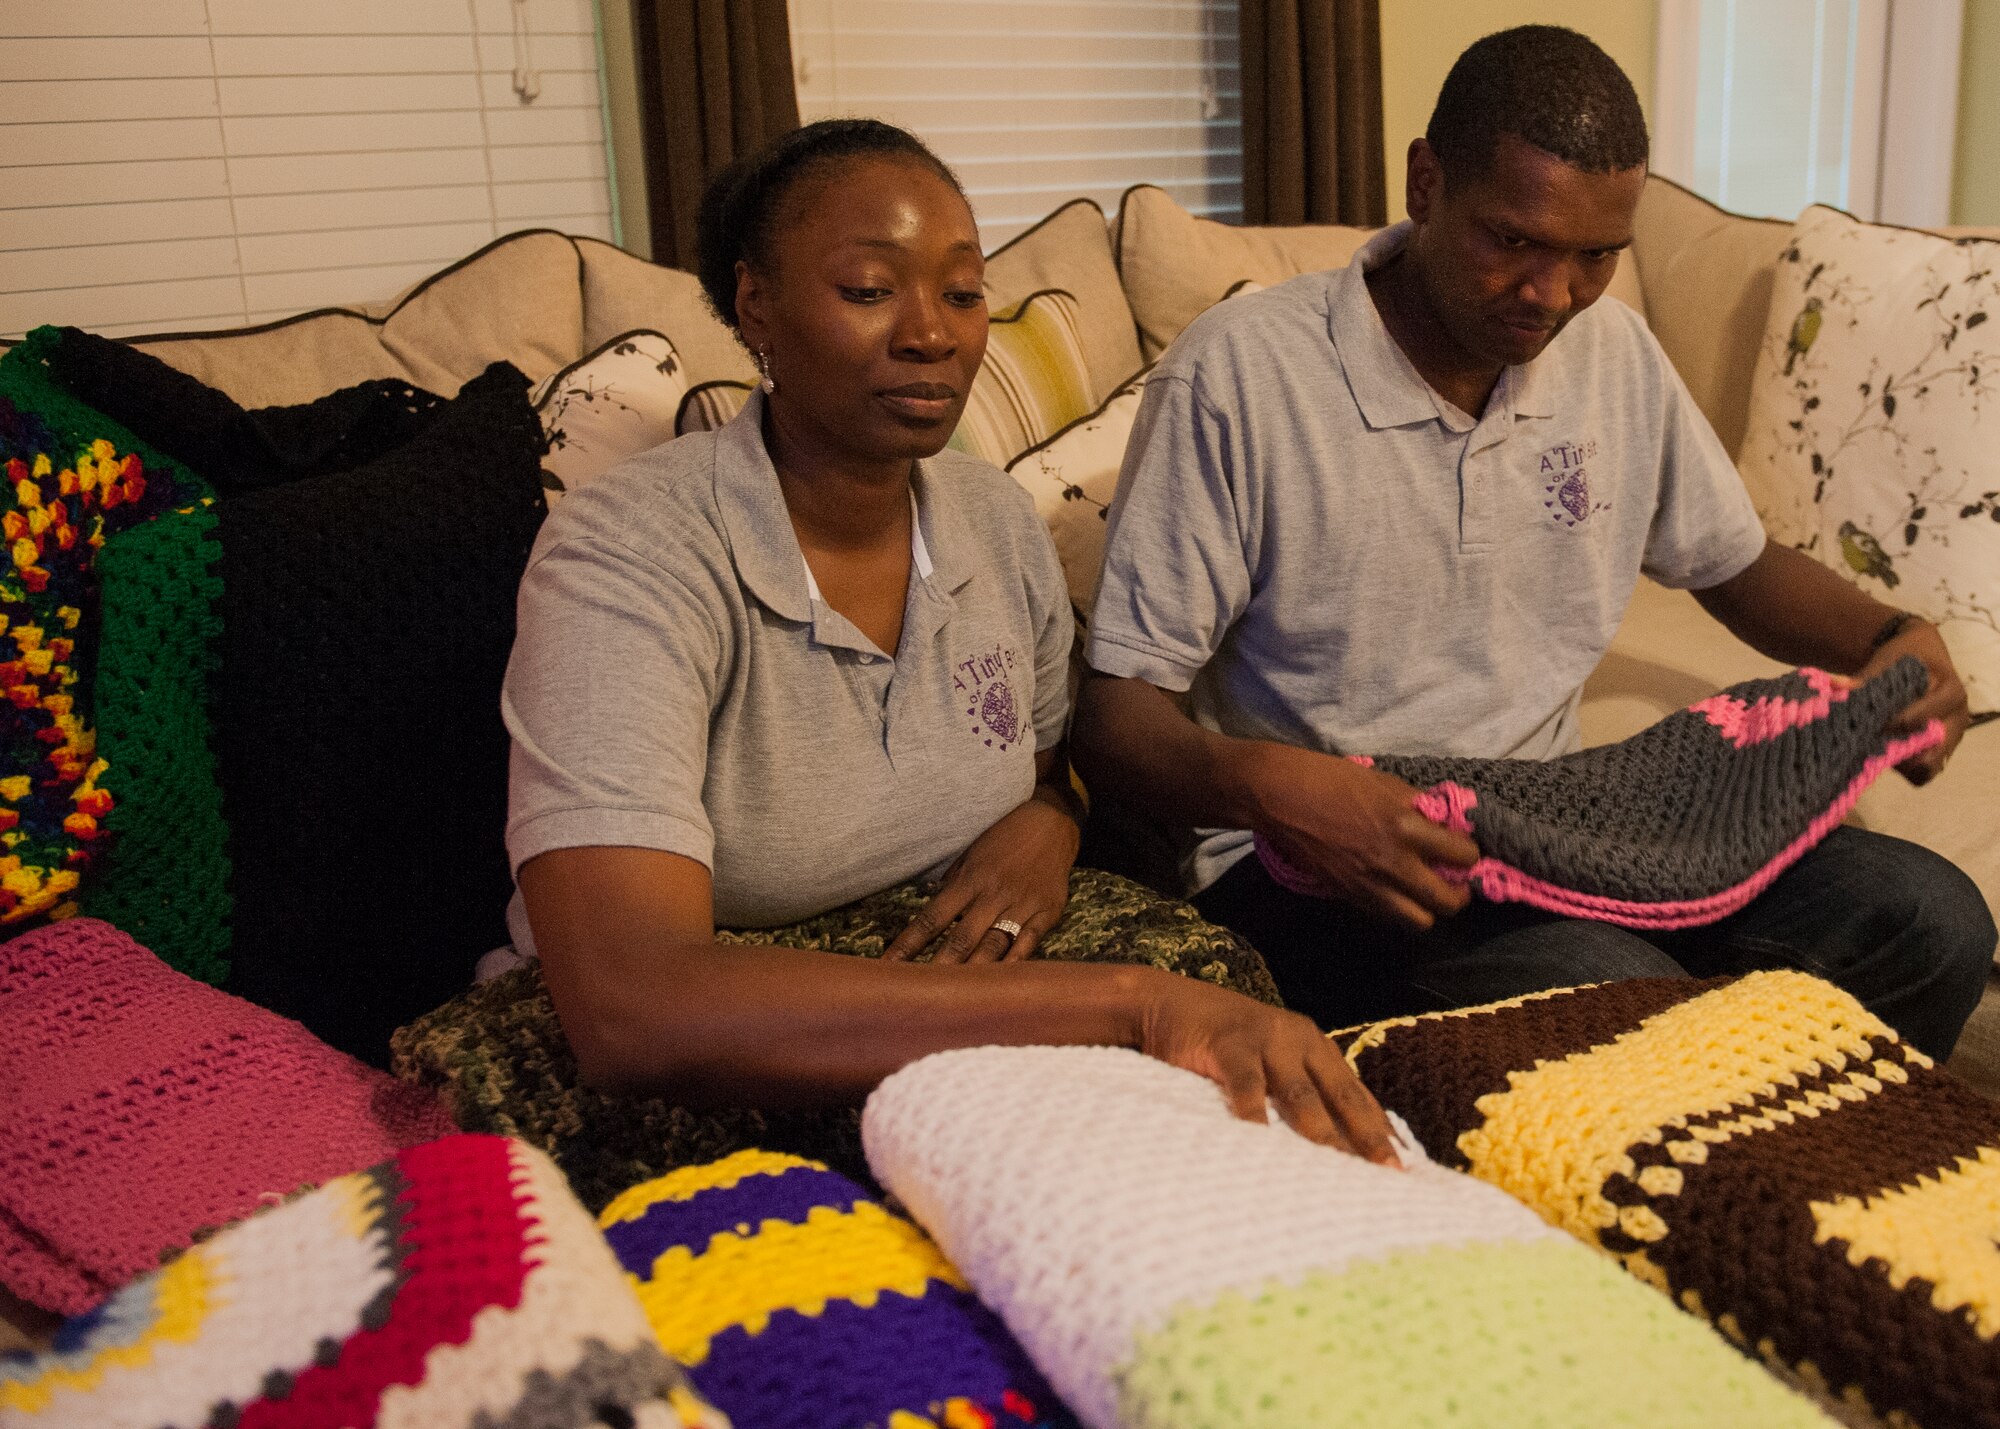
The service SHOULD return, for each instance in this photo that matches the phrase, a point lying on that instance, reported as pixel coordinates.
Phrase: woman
(765, 671)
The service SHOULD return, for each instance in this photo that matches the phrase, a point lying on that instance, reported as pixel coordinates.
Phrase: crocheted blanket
(73, 481)
(1172, 1267)
(797, 1301)
(1680, 825)
(327, 712)
(457, 1284)
(1761, 1149)
(236, 450)
(143, 1108)
(497, 1055)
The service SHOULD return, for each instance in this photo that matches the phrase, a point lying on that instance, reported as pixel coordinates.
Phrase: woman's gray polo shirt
(1324, 552)
(674, 685)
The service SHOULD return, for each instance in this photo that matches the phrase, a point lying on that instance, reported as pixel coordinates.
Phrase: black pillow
(237, 450)
(367, 617)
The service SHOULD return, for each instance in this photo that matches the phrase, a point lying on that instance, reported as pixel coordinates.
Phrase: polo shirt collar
(754, 519)
(765, 549)
(1386, 385)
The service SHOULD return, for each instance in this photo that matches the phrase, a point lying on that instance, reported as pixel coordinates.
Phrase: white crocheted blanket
(1168, 1266)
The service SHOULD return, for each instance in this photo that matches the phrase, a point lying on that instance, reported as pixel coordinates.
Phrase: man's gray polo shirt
(1323, 551)
(675, 685)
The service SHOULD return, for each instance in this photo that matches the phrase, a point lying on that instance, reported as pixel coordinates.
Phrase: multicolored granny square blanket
(1172, 1267)
(1761, 1149)
(797, 1301)
(1680, 825)
(72, 480)
(457, 1284)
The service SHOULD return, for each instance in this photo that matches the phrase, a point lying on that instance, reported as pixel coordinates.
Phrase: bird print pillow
(1874, 416)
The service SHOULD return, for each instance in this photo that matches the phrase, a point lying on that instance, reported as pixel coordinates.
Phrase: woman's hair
(741, 209)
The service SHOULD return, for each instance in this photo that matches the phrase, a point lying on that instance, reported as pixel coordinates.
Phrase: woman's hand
(1017, 870)
(1254, 1053)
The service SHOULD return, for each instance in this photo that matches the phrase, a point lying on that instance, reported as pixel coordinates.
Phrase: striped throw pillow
(1034, 382)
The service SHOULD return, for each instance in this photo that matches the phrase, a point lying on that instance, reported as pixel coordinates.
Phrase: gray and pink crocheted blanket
(1680, 825)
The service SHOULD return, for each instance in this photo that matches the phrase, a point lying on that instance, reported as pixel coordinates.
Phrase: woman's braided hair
(741, 208)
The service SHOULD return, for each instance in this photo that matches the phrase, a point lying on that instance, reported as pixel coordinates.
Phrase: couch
(1701, 276)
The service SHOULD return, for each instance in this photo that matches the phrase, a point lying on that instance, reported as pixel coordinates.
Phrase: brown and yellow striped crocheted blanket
(1762, 1149)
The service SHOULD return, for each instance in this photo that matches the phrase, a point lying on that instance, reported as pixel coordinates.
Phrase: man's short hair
(1546, 85)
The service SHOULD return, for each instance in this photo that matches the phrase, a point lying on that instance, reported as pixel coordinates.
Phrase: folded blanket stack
(797, 1301)
(456, 1284)
(1761, 1149)
(143, 1107)
(1171, 1267)
(1680, 825)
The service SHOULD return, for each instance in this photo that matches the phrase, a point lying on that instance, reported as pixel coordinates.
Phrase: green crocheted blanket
(107, 800)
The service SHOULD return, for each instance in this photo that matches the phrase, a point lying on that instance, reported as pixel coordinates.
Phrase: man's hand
(1017, 870)
(1944, 700)
(1358, 830)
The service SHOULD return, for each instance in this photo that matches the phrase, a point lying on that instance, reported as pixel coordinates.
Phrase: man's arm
(1351, 825)
(1791, 608)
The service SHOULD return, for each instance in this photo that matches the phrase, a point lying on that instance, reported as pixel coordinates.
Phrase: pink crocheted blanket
(1680, 825)
(139, 1108)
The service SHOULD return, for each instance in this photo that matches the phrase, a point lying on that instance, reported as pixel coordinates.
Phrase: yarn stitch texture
(237, 451)
(1680, 825)
(1761, 1149)
(1169, 1266)
(797, 1301)
(497, 1055)
(367, 616)
(167, 878)
(73, 480)
(144, 1107)
(457, 1283)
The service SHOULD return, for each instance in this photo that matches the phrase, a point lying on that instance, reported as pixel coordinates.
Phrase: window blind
(181, 164)
(1034, 103)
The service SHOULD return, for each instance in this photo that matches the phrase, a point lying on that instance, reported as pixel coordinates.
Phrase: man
(1399, 508)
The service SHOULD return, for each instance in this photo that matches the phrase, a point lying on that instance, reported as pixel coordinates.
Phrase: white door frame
(1905, 112)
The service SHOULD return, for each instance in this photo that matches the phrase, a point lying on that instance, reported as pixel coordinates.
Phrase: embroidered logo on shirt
(1566, 483)
(989, 697)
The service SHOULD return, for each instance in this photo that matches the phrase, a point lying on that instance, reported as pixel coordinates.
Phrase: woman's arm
(651, 1003)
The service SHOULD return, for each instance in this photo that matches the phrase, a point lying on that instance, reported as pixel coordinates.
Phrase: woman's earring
(764, 366)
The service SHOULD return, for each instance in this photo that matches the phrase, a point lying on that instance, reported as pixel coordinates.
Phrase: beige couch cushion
(519, 300)
(1670, 653)
(1707, 276)
(1175, 266)
(624, 294)
(1071, 250)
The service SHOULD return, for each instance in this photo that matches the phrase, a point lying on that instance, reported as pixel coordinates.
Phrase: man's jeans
(1894, 924)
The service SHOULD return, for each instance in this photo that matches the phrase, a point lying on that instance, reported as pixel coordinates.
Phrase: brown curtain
(1312, 111)
(715, 83)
